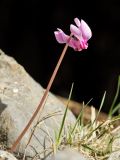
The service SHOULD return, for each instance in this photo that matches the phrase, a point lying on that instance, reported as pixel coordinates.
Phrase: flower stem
(13, 148)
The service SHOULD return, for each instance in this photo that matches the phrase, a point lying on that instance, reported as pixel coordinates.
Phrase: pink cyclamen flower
(81, 33)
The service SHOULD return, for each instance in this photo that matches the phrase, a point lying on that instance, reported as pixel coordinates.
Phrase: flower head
(81, 33)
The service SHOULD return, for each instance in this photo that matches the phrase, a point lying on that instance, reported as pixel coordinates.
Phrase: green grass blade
(101, 105)
(117, 107)
(116, 118)
(91, 132)
(88, 147)
(79, 116)
(63, 120)
(115, 98)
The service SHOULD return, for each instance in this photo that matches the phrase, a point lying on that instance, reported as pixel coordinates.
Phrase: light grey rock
(69, 154)
(19, 97)
(4, 155)
(116, 141)
(114, 156)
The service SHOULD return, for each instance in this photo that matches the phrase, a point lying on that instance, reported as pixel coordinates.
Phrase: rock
(116, 140)
(4, 155)
(19, 97)
(76, 107)
(70, 154)
(114, 156)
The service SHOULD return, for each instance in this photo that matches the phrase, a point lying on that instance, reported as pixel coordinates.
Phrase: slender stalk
(13, 148)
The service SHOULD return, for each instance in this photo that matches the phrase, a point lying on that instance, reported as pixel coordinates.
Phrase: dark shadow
(2, 106)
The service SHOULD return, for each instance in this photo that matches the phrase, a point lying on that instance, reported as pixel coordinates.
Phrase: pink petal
(60, 36)
(76, 31)
(83, 45)
(75, 44)
(78, 46)
(86, 31)
(77, 21)
(72, 43)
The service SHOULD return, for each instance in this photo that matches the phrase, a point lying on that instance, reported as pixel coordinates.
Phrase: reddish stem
(13, 148)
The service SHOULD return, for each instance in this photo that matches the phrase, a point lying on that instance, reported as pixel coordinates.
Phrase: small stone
(69, 154)
(4, 155)
(114, 156)
(15, 90)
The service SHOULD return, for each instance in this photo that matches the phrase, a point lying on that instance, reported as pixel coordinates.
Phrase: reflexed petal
(77, 21)
(60, 36)
(86, 31)
(75, 31)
